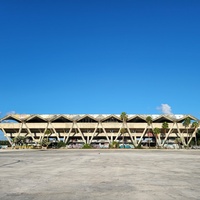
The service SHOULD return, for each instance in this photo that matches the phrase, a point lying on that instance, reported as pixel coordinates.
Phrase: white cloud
(165, 109)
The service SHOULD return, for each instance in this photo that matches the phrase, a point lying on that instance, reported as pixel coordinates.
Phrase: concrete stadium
(99, 129)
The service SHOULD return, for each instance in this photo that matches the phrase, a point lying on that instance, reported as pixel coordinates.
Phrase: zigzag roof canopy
(185, 116)
(37, 118)
(87, 118)
(111, 118)
(136, 119)
(163, 118)
(61, 119)
(11, 117)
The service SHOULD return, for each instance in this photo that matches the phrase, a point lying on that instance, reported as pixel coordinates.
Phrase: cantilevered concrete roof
(39, 118)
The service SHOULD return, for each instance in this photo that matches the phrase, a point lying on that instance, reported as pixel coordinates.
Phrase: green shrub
(61, 144)
(86, 146)
(44, 142)
(19, 140)
(192, 142)
(139, 146)
(114, 145)
(4, 142)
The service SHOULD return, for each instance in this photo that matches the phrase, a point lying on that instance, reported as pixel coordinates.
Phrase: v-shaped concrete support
(193, 135)
(105, 132)
(44, 132)
(28, 130)
(119, 133)
(181, 135)
(167, 135)
(129, 132)
(76, 125)
(94, 132)
(68, 135)
(6, 136)
(54, 131)
(141, 137)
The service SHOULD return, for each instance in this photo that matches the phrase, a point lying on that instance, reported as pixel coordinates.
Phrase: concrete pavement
(99, 174)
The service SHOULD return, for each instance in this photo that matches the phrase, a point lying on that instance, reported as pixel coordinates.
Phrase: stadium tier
(101, 128)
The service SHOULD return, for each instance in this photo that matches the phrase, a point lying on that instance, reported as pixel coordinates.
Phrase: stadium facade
(98, 128)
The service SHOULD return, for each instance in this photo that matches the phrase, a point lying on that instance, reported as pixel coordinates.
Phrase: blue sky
(99, 56)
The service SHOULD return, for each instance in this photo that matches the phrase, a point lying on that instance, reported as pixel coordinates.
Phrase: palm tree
(195, 125)
(19, 140)
(156, 132)
(124, 118)
(186, 123)
(123, 131)
(149, 122)
(47, 133)
(45, 141)
(178, 141)
(165, 126)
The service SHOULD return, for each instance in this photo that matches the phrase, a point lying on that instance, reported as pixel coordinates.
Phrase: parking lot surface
(99, 174)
